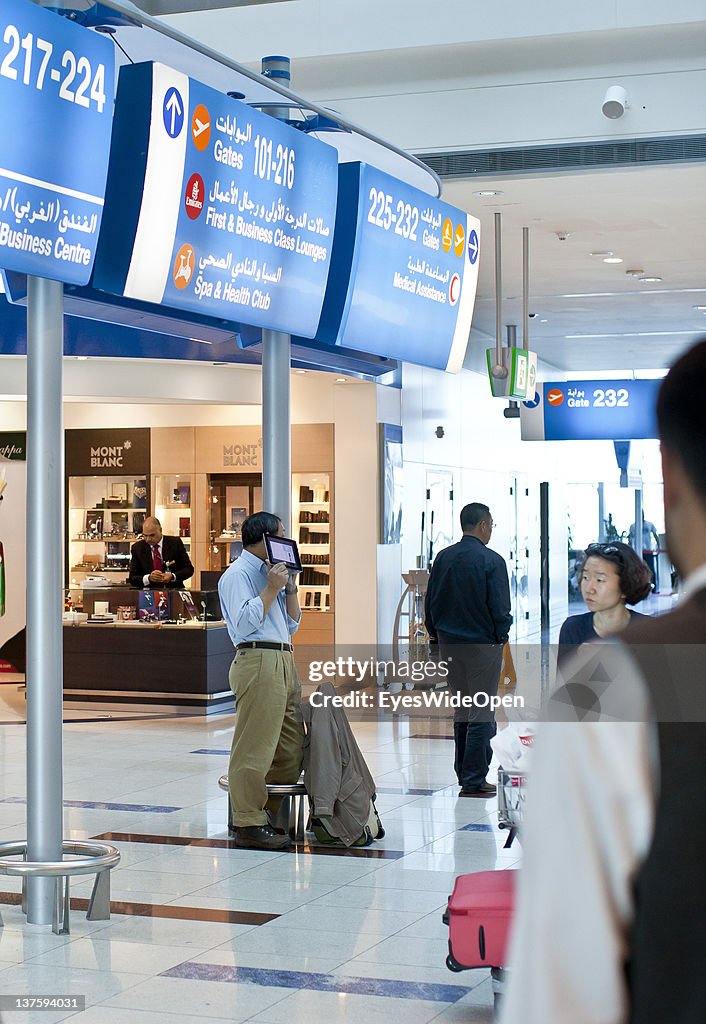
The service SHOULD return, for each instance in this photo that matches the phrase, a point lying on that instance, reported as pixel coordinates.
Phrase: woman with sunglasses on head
(612, 576)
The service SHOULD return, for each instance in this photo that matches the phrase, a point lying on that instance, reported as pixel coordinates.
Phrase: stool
(296, 796)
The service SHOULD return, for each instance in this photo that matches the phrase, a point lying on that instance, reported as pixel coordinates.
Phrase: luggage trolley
(512, 793)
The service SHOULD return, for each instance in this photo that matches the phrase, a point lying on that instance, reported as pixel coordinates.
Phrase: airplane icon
(199, 127)
(458, 241)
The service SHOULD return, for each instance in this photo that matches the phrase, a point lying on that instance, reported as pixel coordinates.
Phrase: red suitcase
(478, 914)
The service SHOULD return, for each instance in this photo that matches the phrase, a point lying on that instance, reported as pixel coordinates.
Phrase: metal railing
(90, 858)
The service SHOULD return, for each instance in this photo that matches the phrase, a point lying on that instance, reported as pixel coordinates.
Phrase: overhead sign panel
(404, 272)
(591, 410)
(214, 207)
(56, 95)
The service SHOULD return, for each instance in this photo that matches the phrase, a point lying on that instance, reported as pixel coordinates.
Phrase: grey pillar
(45, 546)
(276, 427)
(637, 539)
(276, 367)
(601, 513)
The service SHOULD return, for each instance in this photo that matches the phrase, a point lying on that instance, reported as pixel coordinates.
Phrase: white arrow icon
(174, 108)
(473, 249)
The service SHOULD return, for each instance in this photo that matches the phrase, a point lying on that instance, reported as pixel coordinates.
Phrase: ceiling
(654, 218)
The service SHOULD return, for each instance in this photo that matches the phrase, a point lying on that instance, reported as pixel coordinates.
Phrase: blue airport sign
(404, 272)
(213, 207)
(591, 410)
(56, 94)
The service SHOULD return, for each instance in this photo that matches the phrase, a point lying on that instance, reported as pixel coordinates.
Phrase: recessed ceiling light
(701, 309)
(543, 321)
(300, 371)
(340, 380)
(612, 259)
(635, 273)
(606, 253)
(82, 358)
(650, 280)
(488, 193)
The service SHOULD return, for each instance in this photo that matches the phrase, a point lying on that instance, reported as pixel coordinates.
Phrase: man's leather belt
(264, 645)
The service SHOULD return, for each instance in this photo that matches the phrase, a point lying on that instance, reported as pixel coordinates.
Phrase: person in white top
(610, 925)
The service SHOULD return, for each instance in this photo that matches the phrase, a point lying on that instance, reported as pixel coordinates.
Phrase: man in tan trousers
(261, 609)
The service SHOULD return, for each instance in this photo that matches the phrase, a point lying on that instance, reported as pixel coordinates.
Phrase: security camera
(615, 102)
(531, 315)
(563, 235)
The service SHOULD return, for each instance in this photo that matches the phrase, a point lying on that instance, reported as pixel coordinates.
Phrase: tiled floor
(296, 936)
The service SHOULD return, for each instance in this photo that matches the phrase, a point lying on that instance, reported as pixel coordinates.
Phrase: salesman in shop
(158, 561)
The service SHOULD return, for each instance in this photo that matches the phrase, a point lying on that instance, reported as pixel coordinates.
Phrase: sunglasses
(603, 549)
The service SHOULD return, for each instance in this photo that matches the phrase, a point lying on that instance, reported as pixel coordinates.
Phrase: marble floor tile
(359, 931)
(378, 898)
(115, 957)
(233, 955)
(193, 999)
(411, 952)
(431, 975)
(260, 906)
(348, 920)
(319, 869)
(299, 941)
(347, 1009)
(111, 1015)
(31, 978)
(158, 883)
(397, 877)
(198, 935)
(282, 890)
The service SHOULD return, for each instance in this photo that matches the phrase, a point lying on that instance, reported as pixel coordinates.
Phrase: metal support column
(276, 371)
(601, 513)
(637, 538)
(45, 545)
(544, 572)
(276, 426)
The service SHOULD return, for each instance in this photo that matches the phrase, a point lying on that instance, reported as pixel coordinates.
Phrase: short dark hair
(681, 414)
(634, 574)
(257, 525)
(473, 515)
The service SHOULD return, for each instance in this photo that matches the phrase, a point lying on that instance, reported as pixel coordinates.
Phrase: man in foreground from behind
(611, 920)
(467, 608)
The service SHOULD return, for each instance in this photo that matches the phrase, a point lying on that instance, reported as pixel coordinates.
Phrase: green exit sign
(520, 378)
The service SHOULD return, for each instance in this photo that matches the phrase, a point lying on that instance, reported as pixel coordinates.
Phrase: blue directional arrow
(173, 113)
(473, 246)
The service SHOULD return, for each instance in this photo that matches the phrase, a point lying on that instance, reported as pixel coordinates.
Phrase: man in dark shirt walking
(468, 610)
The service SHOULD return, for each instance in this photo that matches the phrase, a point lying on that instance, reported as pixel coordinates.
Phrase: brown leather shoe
(260, 837)
(484, 791)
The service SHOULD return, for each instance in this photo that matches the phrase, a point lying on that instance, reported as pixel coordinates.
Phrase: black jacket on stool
(174, 557)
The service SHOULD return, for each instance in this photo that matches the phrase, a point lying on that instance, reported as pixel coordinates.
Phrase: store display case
(232, 497)
(312, 529)
(128, 646)
(105, 518)
(173, 506)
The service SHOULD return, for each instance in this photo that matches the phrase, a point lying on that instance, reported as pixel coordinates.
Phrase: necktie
(157, 563)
